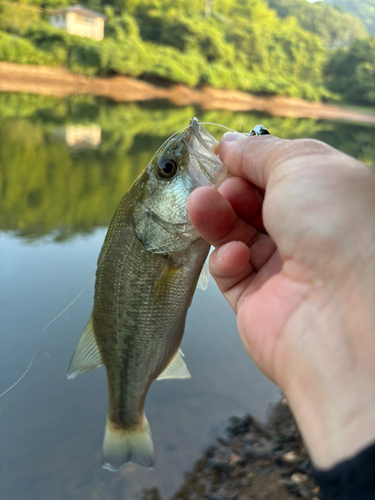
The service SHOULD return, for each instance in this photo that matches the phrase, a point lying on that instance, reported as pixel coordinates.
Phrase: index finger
(256, 157)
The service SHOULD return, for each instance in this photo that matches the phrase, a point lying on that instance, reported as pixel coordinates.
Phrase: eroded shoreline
(61, 83)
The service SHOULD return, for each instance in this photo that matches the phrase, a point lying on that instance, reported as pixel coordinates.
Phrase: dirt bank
(59, 82)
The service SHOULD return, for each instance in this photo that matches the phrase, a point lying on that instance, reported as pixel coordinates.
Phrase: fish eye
(166, 168)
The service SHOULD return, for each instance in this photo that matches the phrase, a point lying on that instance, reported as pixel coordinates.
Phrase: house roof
(79, 10)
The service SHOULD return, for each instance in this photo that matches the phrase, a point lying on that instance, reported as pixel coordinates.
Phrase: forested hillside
(283, 47)
(363, 9)
(334, 27)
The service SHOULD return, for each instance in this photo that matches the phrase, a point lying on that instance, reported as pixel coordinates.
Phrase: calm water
(64, 166)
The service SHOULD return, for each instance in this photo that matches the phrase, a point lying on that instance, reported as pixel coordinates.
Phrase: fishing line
(217, 125)
(167, 140)
(46, 327)
(41, 336)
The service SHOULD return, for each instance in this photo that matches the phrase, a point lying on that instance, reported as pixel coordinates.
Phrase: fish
(148, 270)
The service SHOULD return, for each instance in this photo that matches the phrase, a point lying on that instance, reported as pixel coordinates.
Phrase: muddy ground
(60, 82)
(254, 461)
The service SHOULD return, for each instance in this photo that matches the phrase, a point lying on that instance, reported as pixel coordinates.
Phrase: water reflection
(83, 136)
(55, 203)
(47, 187)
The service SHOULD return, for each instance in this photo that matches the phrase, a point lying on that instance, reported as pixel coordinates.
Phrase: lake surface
(64, 167)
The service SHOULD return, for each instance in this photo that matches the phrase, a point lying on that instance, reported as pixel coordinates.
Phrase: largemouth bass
(147, 272)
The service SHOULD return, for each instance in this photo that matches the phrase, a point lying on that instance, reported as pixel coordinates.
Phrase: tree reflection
(48, 187)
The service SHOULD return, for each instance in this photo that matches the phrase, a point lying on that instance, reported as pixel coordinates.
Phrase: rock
(286, 482)
(221, 460)
(236, 473)
(291, 457)
(250, 437)
(265, 471)
(238, 426)
(264, 463)
(234, 459)
(304, 492)
(245, 495)
(299, 478)
(262, 448)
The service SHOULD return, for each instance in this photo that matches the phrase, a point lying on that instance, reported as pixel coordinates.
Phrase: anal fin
(87, 355)
(176, 369)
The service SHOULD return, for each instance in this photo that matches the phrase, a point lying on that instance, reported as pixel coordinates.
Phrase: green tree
(15, 19)
(351, 72)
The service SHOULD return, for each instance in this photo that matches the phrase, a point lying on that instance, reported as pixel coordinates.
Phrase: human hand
(294, 233)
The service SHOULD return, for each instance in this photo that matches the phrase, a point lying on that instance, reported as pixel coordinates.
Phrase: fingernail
(221, 250)
(231, 136)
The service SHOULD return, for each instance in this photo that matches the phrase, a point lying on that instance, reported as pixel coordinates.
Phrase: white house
(78, 20)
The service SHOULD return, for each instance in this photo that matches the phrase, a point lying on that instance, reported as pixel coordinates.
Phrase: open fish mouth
(204, 167)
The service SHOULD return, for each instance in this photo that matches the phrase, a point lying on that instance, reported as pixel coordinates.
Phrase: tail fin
(121, 446)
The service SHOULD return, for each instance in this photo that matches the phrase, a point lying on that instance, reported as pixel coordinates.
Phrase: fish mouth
(205, 139)
(204, 167)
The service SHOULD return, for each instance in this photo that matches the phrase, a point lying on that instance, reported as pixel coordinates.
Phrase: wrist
(336, 430)
(332, 392)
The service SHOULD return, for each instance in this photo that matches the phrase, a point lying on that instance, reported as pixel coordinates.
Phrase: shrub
(19, 50)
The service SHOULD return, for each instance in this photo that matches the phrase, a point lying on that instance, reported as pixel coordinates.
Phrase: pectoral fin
(176, 369)
(204, 277)
(87, 355)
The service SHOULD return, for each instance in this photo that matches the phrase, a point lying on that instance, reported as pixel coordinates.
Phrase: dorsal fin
(176, 369)
(87, 355)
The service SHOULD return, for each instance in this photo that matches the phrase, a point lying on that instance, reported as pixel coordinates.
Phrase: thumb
(256, 157)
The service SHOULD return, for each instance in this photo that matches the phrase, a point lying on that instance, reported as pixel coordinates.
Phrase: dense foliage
(15, 20)
(351, 72)
(279, 47)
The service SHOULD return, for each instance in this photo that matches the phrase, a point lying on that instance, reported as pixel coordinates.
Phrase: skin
(294, 233)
